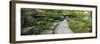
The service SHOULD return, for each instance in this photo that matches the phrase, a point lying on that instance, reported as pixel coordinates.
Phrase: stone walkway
(62, 28)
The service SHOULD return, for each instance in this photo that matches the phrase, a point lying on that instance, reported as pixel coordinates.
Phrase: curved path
(63, 28)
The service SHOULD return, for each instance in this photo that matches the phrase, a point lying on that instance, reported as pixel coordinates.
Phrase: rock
(26, 20)
(26, 31)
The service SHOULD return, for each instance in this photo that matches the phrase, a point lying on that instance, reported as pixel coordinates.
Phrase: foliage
(81, 22)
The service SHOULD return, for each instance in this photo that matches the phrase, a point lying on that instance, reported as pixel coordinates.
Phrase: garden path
(61, 28)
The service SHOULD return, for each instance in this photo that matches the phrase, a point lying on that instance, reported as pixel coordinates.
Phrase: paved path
(63, 28)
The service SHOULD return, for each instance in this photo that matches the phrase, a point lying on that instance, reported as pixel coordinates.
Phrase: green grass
(79, 26)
